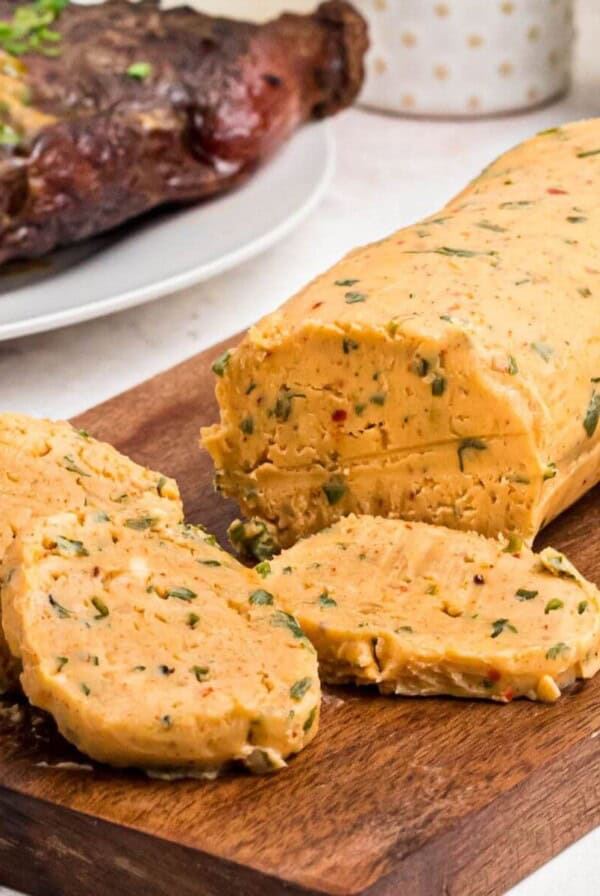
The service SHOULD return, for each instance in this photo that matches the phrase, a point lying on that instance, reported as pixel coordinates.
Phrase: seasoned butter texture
(449, 373)
(48, 466)
(156, 650)
(422, 610)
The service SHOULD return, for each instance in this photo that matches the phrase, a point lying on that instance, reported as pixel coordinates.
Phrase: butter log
(156, 650)
(421, 610)
(448, 374)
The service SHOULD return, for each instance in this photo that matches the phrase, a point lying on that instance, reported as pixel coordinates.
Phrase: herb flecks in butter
(469, 445)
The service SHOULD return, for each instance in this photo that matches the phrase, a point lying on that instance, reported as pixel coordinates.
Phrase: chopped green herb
(141, 523)
(378, 398)
(334, 490)
(252, 540)
(94, 660)
(261, 598)
(524, 594)
(438, 385)
(557, 650)
(550, 471)
(544, 351)
(554, 604)
(353, 297)
(555, 563)
(210, 562)
(200, 672)
(61, 611)
(247, 426)
(300, 688)
(139, 669)
(250, 388)
(283, 404)
(519, 203)
(139, 71)
(587, 153)
(99, 604)
(101, 517)
(326, 601)
(469, 445)
(421, 366)
(60, 662)
(512, 365)
(405, 628)
(346, 282)
(220, 365)
(515, 544)
(166, 722)
(71, 547)
(501, 625)
(486, 225)
(576, 219)
(590, 421)
(8, 135)
(582, 606)
(161, 485)
(460, 253)
(281, 619)
(192, 620)
(182, 594)
(86, 690)
(72, 467)
(310, 720)
(28, 31)
(349, 345)
(359, 408)
(392, 327)
(263, 569)
(584, 291)
(548, 131)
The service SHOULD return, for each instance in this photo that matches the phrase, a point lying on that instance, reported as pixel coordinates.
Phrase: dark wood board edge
(47, 850)
(486, 856)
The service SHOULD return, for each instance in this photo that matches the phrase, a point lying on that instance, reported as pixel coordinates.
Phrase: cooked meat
(109, 111)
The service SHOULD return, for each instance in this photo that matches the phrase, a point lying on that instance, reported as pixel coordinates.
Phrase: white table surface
(390, 172)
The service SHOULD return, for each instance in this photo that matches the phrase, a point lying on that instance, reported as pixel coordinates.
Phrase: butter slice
(422, 610)
(48, 466)
(156, 650)
(448, 374)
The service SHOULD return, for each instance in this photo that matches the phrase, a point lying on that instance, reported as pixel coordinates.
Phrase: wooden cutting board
(396, 796)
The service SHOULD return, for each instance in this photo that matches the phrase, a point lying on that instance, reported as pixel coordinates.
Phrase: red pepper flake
(493, 675)
(339, 415)
(206, 692)
(554, 191)
(317, 305)
(508, 695)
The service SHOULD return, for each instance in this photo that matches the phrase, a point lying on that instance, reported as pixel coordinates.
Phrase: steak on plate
(111, 110)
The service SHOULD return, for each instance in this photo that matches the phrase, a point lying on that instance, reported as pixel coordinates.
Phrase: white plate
(169, 250)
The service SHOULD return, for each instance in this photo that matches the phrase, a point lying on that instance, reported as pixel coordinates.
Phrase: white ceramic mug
(466, 57)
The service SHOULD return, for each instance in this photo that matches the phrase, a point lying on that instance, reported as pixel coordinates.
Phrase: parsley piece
(557, 650)
(588, 153)
(86, 690)
(310, 720)
(349, 345)
(346, 282)
(200, 672)
(582, 606)
(72, 467)
(501, 625)
(192, 620)
(263, 569)
(544, 351)
(283, 403)
(261, 598)
(438, 385)
(99, 604)
(220, 365)
(554, 604)
(353, 297)
(524, 594)
(60, 662)
(142, 523)
(247, 426)
(512, 365)
(326, 601)
(334, 490)
(61, 611)
(469, 445)
(182, 594)
(70, 547)
(281, 619)
(300, 688)
(139, 71)
(515, 544)
(590, 421)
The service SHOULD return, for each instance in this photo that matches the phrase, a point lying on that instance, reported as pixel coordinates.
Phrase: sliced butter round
(48, 466)
(422, 610)
(156, 650)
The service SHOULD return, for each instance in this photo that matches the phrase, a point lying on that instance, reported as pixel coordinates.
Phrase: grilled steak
(109, 111)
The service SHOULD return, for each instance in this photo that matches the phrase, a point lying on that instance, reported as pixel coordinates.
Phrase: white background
(390, 171)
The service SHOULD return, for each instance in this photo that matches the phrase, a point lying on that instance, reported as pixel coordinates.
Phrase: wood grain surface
(396, 797)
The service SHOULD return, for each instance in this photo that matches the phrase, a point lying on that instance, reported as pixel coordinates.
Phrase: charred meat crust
(98, 147)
